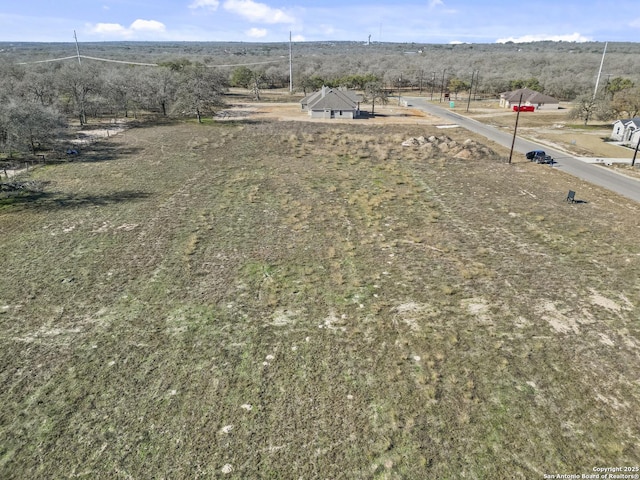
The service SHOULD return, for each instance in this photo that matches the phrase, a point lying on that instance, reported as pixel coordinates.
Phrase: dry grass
(301, 300)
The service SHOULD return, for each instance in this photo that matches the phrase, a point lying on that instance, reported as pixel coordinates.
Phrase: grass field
(297, 300)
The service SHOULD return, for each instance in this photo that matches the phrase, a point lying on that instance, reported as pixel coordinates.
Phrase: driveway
(591, 173)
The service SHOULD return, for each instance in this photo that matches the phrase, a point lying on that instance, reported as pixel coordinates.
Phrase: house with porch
(625, 130)
(332, 103)
(530, 98)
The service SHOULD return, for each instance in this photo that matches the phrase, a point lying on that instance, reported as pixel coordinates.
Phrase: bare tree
(200, 91)
(78, 83)
(39, 84)
(159, 87)
(118, 90)
(587, 107)
(28, 125)
(375, 91)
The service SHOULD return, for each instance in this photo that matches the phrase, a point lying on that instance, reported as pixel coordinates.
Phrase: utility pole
(470, 90)
(77, 48)
(633, 162)
(442, 85)
(595, 92)
(399, 84)
(290, 65)
(433, 84)
(421, 74)
(477, 82)
(513, 142)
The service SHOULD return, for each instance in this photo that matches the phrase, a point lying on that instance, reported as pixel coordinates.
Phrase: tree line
(191, 79)
(38, 101)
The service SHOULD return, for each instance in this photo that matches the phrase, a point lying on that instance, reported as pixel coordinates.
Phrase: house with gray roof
(625, 130)
(332, 103)
(529, 98)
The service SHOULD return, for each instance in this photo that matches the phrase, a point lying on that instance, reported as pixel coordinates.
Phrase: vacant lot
(313, 300)
(553, 128)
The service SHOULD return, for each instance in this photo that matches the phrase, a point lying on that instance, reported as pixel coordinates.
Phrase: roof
(528, 96)
(332, 99)
(627, 121)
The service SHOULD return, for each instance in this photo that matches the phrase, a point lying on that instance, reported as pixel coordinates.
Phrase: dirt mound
(466, 150)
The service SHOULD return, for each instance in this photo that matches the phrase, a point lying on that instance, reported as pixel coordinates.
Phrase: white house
(529, 98)
(625, 129)
(332, 103)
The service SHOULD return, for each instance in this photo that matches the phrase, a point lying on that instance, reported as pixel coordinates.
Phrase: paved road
(606, 178)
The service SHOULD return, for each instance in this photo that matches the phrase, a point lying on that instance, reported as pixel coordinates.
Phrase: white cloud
(635, 23)
(139, 26)
(108, 29)
(257, 12)
(256, 32)
(573, 37)
(207, 4)
(298, 38)
(435, 3)
(147, 26)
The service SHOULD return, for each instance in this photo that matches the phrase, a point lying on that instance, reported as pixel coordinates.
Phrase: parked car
(531, 156)
(524, 108)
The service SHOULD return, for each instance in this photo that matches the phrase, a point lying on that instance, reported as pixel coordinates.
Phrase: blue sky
(427, 21)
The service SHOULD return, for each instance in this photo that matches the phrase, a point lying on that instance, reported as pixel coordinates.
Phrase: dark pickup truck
(539, 156)
(535, 153)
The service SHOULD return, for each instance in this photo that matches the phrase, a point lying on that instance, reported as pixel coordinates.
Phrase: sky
(427, 21)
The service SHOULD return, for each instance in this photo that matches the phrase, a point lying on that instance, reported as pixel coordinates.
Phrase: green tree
(457, 85)
(176, 65)
(627, 102)
(312, 83)
(531, 83)
(618, 84)
(357, 81)
(242, 77)
(253, 80)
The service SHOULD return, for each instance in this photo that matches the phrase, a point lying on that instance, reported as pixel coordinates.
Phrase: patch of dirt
(556, 319)
(602, 301)
(384, 114)
(90, 134)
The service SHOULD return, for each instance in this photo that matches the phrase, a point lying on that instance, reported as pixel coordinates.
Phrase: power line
(47, 61)
(120, 61)
(140, 63)
(247, 64)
